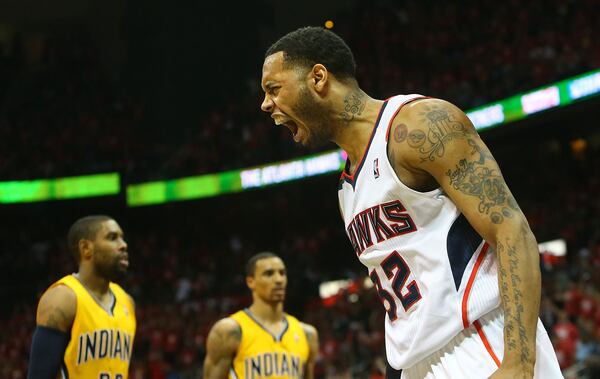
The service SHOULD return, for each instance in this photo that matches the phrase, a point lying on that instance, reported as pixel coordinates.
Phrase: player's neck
(267, 313)
(94, 283)
(357, 116)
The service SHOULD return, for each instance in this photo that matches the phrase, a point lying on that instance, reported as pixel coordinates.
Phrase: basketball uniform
(264, 355)
(101, 342)
(434, 273)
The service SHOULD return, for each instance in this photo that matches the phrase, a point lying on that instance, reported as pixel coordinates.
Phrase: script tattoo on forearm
(474, 178)
(510, 288)
(443, 127)
(354, 104)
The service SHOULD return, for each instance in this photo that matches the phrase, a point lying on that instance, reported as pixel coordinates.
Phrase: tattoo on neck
(354, 104)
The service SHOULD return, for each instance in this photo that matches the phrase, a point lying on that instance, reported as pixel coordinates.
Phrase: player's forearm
(519, 281)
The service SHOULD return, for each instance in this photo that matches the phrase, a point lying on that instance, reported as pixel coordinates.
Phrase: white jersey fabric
(476, 353)
(435, 275)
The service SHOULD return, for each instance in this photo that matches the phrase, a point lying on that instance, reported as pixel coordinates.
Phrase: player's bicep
(56, 308)
(447, 147)
(221, 346)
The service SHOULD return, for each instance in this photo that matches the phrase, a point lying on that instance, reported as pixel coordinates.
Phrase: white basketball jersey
(434, 274)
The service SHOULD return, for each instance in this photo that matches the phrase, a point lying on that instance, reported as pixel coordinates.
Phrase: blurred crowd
(56, 99)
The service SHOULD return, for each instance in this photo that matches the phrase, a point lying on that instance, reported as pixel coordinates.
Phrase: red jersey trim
(486, 343)
(465, 300)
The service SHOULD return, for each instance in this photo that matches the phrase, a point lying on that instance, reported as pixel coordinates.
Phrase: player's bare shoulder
(221, 346)
(423, 129)
(310, 331)
(312, 335)
(225, 336)
(57, 308)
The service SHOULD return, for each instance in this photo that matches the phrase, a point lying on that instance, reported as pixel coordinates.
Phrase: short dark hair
(251, 264)
(85, 228)
(313, 44)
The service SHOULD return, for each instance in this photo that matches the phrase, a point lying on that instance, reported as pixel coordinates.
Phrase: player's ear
(86, 249)
(319, 76)
(250, 282)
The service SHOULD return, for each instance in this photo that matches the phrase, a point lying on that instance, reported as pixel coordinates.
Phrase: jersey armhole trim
(465, 300)
(387, 133)
(486, 343)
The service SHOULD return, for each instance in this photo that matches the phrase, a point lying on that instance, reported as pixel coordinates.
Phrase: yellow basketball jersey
(101, 342)
(264, 355)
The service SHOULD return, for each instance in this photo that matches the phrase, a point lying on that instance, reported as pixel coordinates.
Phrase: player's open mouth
(291, 125)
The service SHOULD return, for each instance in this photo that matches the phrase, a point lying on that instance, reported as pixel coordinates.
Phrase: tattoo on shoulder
(225, 335)
(400, 132)
(443, 127)
(354, 104)
(54, 317)
(235, 333)
(474, 178)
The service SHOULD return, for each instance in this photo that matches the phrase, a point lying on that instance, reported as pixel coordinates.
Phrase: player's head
(266, 277)
(297, 78)
(98, 243)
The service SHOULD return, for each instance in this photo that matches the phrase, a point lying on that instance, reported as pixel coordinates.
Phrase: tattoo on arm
(510, 283)
(53, 317)
(474, 178)
(354, 104)
(443, 127)
(221, 345)
(235, 334)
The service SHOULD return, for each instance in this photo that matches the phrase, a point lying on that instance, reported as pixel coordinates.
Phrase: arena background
(154, 91)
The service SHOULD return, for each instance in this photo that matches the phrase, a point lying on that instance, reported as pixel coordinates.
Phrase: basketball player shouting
(427, 210)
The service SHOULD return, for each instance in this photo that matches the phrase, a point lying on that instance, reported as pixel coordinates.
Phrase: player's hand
(513, 373)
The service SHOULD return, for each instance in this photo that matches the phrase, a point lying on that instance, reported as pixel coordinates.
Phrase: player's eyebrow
(269, 84)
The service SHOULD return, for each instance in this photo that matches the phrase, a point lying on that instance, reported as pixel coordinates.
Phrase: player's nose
(123, 245)
(267, 104)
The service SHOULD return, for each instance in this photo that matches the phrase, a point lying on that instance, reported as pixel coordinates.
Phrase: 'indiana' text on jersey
(434, 273)
(262, 354)
(105, 343)
(101, 340)
(271, 364)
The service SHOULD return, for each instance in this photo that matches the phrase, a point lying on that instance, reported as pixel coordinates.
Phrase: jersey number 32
(396, 271)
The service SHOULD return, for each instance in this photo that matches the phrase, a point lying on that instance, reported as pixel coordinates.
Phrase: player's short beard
(111, 271)
(313, 114)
